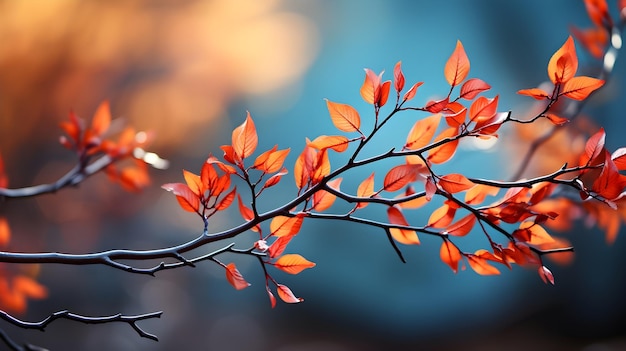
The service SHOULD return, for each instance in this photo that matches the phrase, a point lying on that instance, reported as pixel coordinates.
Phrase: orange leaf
(235, 278)
(457, 114)
(384, 93)
(403, 236)
(399, 176)
(370, 87)
(556, 120)
(478, 193)
(226, 200)
(450, 255)
(422, 132)
(398, 77)
(285, 226)
(322, 199)
(481, 266)
(454, 183)
(286, 295)
(483, 109)
(535, 93)
(320, 166)
(436, 106)
(245, 138)
(442, 217)
(410, 94)
(445, 151)
(594, 148)
(193, 182)
(463, 226)
(458, 66)
(598, 12)
(564, 63)
(271, 161)
(101, 120)
(579, 88)
(293, 263)
(271, 296)
(247, 213)
(5, 232)
(473, 87)
(344, 117)
(279, 245)
(301, 171)
(546, 275)
(187, 199)
(532, 233)
(29, 287)
(365, 189)
(273, 180)
(338, 143)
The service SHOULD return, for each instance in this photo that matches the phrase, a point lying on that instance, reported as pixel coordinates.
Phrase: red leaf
(225, 202)
(618, 157)
(399, 176)
(293, 263)
(472, 88)
(436, 106)
(245, 138)
(384, 93)
(483, 109)
(273, 180)
(462, 227)
(458, 66)
(101, 120)
(532, 233)
(398, 77)
(235, 278)
(279, 245)
(454, 183)
(186, 198)
(610, 184)
(410, 94)
(593, 149)
(344, 117)
(579, 88)
(546, 275)
(422, 132)
(271, 296)
(450, 255)
(403, 236)
(286, 295)
(598, 12)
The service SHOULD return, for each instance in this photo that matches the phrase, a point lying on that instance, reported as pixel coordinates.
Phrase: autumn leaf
(422, 132)
(399, 176)
(337, 143)
(454, 183)
(403, 236)
(271, 161)
(479, 192)
(564, 63)
(271, 296)
(472, 87)
(293, 263)
(462, 227)
(532, 233)
(579, 88)
(450, 255)
(594, 148)
(5, 232)
(225, 202)
(442, 216)
(286, 294)
(598, 12)
(193, 182)
(546, 275)
(365, 189)
(535, 93)
(247, 214)
(556, 120)
(244, 138)
(344, 117)
(610, 184)
(483, 109)
(618, 157)
(101, 120)
(235, 278)
(274, 179)
(446, 150)
(279, 245)
(457, 114)
(436, 106)
(481, 266)
(410, 94)
(322, 199)
(285, 226)
(457, 67)
(398, 77)
(371, 86)
(187, 199)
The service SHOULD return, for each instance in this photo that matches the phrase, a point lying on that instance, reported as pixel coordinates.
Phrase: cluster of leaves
(516, 218)
(519, 212)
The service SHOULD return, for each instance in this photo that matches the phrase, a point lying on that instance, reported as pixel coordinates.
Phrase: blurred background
(189, 70)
